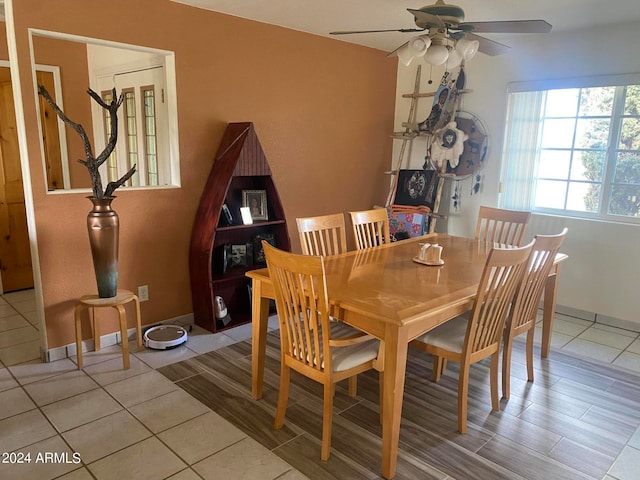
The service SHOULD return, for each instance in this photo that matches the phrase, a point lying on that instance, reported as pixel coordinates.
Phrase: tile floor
(103, 422)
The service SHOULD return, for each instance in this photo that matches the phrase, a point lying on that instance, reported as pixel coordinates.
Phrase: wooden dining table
(385, 292)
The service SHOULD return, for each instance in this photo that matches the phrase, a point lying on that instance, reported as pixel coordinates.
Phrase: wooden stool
(94, 301)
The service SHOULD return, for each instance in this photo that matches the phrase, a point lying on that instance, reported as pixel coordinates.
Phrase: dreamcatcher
(471, 160)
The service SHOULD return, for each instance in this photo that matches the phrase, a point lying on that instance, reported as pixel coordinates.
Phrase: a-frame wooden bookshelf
(239, 165)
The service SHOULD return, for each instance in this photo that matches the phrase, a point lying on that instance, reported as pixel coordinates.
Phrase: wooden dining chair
(467, 339)
(503, 227)
(370, 227)
(522, 316)
(325, 351)
(326, 235)
(322, 235)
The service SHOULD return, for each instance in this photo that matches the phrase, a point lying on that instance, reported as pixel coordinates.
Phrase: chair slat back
(302, 305)
(533, 281)
(501, 275)
(322, 235)
(500, 226)
(370, 227)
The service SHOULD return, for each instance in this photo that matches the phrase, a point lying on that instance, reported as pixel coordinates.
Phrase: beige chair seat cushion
(449, 336)
(344, 358)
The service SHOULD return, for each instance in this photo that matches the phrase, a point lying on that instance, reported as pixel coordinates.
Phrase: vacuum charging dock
(163, 337)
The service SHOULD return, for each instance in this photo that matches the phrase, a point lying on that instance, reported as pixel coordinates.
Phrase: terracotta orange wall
(323, 111)
(71, 57)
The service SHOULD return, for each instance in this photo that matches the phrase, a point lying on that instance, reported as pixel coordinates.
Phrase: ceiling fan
(445, 25)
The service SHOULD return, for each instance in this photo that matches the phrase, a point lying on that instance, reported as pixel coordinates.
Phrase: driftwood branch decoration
(92, 162)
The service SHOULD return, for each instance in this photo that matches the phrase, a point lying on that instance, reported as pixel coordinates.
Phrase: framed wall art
(256, 200)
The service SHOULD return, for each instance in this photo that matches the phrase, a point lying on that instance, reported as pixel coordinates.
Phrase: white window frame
(519, 165)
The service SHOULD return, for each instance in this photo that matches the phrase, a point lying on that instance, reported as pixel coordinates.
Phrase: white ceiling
(323, 16)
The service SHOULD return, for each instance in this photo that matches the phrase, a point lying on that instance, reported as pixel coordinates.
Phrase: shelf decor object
(256, 202)
(239, 173)
(103, 223)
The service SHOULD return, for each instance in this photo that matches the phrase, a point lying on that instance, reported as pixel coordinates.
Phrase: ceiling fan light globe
(454, 59)
(420, 45)
(436, 55)
(467, 48)
(405, 54)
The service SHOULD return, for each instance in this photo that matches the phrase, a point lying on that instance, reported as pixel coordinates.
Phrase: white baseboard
(599, 318)
(574, 312)
(69, 350)
(618, 323)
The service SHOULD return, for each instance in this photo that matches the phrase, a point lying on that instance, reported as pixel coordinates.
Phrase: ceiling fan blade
(425, 20)
(488, 47)
(393, 52)
(509, 26)
(403, 30)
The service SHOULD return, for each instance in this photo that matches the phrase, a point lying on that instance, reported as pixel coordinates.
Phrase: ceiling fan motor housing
(450, 15)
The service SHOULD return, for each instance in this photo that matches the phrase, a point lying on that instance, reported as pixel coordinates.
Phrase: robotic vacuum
(163, 337)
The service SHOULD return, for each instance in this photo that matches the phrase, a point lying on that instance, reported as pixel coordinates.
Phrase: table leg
(549, 308)
(395, 364)
(259, 320)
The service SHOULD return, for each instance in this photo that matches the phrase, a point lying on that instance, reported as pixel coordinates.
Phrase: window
(574, 151)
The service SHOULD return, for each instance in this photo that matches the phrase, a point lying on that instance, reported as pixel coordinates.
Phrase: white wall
(603, 271)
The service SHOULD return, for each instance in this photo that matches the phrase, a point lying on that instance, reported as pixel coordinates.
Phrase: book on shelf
(226, 218)
(220, 257)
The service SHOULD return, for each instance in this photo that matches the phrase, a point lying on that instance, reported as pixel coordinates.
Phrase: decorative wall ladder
(407, 138)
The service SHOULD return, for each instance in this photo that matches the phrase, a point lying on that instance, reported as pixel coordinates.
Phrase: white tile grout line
(125, 408)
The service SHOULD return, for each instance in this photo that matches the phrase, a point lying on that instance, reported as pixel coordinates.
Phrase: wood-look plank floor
(571, 423)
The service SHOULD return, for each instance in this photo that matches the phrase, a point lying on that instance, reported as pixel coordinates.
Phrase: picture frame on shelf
(249, 251)
(258, 250)
(238, 255)
(256, 200)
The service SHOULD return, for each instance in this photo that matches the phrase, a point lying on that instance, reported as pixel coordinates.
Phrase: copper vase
(104, 226)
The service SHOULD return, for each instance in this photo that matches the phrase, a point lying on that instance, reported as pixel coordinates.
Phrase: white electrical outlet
(143, 293)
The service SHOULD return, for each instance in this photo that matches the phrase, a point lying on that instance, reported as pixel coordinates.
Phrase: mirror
(67, 66)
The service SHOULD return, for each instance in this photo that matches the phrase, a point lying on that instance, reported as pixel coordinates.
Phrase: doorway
(20, 339)
(16, 270)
